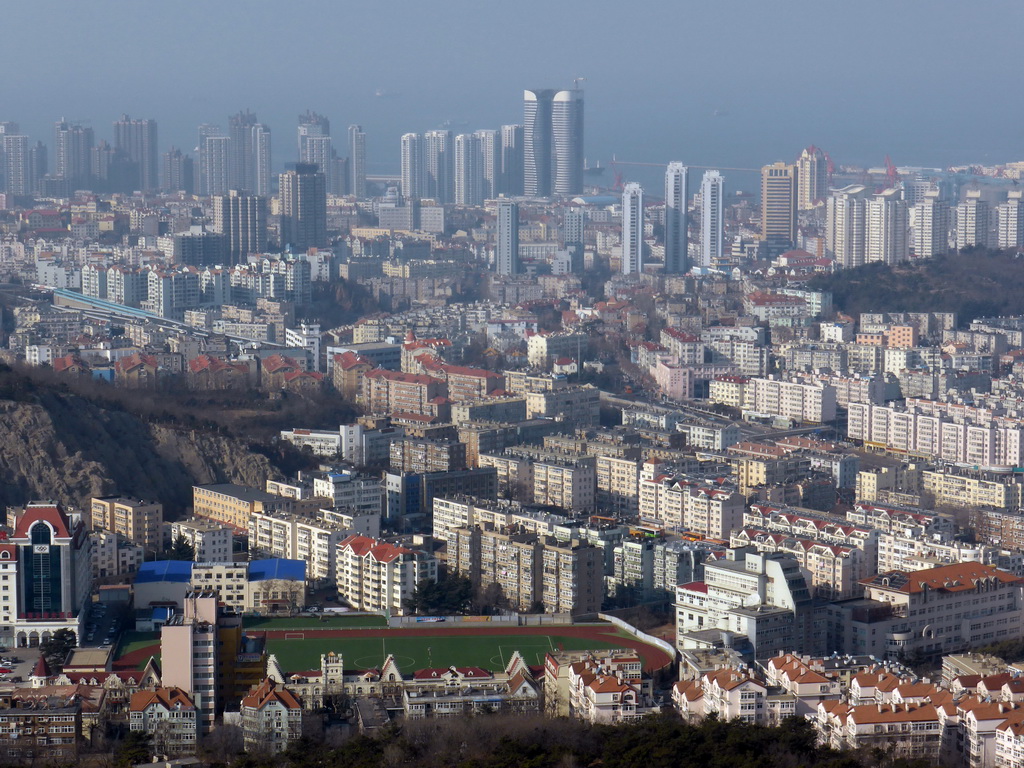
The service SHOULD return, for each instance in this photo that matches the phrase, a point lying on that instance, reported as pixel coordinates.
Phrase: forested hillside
(972, 283)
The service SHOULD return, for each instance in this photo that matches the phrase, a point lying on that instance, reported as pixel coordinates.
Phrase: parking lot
(103, 625)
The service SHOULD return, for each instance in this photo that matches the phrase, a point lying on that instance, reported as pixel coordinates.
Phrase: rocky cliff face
(67, 448)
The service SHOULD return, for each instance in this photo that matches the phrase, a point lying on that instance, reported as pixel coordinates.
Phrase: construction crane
(892, 176)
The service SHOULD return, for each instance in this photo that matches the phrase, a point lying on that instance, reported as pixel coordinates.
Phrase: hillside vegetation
(69, 441)
(498, 741)
(974, 283)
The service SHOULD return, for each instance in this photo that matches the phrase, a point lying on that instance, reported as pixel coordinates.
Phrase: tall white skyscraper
(311, 124)
(567, 129)
(506, 250)
(931, 226)
(261, 182)
(973, 221)
(812, 177)
(632, 229)
(677, 259)
(357, 160)
(511, 160)
(712, 217)
(888, 224)
(469, 178)
(846, 226)
(537, 141)
(1010, 217)
(412, 166)
(553, 142)
(490, 162)
(319, 150)
(206, 131)
(438, 165)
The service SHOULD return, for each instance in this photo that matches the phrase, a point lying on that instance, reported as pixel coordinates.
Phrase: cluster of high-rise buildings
(542, 157)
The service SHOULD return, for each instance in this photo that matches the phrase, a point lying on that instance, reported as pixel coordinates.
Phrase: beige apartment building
(141, 522)
(234, 504)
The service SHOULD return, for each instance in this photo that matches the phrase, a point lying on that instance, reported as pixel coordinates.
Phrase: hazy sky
(930, 82)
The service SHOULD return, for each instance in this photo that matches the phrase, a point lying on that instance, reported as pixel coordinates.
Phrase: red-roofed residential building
(374, 575)
(271, 718)
(931, 612)
(389, 392)
(275, 368)
(207, 372)
(137, 371)
(168, 716)
(464, 383)
(349, 370)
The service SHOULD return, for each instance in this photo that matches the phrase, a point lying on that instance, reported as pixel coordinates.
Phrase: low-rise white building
(211, 542)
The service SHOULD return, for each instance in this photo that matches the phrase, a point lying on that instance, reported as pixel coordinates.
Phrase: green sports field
(488, 651)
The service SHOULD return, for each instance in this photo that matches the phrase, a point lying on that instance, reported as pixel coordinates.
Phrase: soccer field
(491, 652)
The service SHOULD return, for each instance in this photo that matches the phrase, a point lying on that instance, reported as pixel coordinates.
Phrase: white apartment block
(682, 505)
(325, 443)
(905, 553)
(748, 594)
(814, 402)
(835, 571)
(569, 484)
(817, 527)
(542, 348)
(350, 490)
(312, 539)
(618, 490)
(373, 575)
(917, 432)
(850, 389)
(212, 543)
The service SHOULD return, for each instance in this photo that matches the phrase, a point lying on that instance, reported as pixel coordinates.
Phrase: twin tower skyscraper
(552, 142)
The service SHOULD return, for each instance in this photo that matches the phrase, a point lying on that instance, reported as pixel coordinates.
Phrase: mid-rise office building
(242, 220)
(303, 193)
(779, 198)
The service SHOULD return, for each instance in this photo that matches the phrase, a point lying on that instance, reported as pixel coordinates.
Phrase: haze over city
(476, 383)
(728, 84)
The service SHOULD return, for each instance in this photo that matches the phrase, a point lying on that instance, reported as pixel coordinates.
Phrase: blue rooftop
(162, 613)
(164, 570)
(277, 568)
